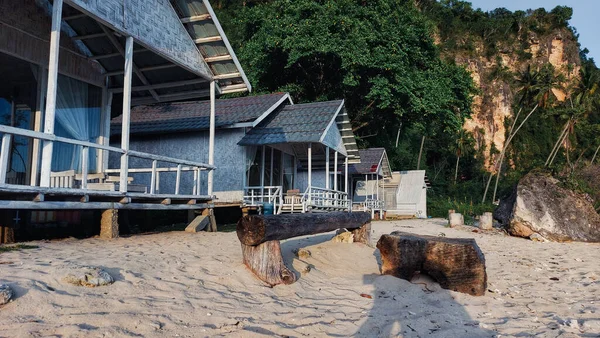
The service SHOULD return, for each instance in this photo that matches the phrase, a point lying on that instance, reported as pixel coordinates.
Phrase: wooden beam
(208, 39)
(254, 230)
(196, 18)
(218, 58)
(50, 111)
(126, 114)
(53, 205)
(120, 49)
(161, 85)
(37, 124)
(74, 17)
(89, 36)
(145, 69)
(227, 76)
(172, 97)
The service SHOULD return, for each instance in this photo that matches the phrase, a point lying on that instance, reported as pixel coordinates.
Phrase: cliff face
(495, 76)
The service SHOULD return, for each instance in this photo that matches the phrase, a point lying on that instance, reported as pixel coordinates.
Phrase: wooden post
(211, 138)
(178, 180)
(271, 175)
(153, 178)
(126, 119)
(50, 110)
(262, 172)
(4, 156)
(109, 225)
(85, 158)
(335, 170)
(327, 168)
(37, 125)
(104, 138)
(309, 172)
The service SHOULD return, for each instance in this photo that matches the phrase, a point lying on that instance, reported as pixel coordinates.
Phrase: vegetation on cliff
(442, 70)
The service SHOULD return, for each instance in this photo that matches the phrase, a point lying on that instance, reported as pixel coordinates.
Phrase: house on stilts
(67, 67)
(294, 157)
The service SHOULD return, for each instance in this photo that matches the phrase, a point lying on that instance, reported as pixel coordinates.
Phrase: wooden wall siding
(229, 159)
(152, 23)
(318, 180)
(333, 139)
(25, 34)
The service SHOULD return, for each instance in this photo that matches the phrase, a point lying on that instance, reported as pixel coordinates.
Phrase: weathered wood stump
(486, 221)
(260, 236)
(456, 264)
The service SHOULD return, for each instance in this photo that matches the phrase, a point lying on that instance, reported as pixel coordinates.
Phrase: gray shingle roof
(369, 160)
(193, 116)
(299, 123)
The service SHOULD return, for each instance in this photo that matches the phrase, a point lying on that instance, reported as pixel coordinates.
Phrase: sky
(585, 17)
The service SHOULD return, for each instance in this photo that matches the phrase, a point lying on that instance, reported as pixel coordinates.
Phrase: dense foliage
(399, 86)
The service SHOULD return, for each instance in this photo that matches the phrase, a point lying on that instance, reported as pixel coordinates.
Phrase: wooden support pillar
(335, 170)
(211, 138)
(212, 227)
(37, 125)
(126, 119)
(50, 111)
(7, 232)
(109, 225)
(309, 172)
(271, 172)
(262, 172)
(346, 175)
(104, 138)
(327, 186)
(5, 156)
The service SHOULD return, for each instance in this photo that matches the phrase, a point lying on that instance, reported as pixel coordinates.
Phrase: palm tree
(461, 149)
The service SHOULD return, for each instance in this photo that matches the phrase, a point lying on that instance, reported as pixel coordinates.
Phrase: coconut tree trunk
(456, 170)
(557, 144)
(595, 154)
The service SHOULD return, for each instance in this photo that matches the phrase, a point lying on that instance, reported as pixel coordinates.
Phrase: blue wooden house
(267, 150)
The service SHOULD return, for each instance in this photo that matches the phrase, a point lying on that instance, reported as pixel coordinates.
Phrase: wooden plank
(88, 36)
(196, 18)
(153, 177)
(169, 159)
(227, 76)
(50, 111)
(144, 69)
(208, 39)
(161, 86)
(218, 58)
(37, 124)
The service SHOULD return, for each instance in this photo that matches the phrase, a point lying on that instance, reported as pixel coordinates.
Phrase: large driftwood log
(456, 264)
(266, 261)
(254, 230)
(363, 234)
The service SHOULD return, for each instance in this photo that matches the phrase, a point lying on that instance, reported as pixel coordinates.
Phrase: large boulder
(539, 206)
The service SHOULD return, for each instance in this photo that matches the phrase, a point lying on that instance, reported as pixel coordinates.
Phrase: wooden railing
(326, 198)
(182, 165)
(257, 196)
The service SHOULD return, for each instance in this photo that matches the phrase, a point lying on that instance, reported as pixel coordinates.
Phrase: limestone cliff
(497, 47)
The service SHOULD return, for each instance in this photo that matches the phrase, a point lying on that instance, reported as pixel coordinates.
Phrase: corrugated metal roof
(192, 116)
(299, 123)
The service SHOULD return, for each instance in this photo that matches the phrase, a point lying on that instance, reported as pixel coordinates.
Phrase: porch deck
(312, 200)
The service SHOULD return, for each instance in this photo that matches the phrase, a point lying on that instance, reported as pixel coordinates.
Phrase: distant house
(267, 150)
(406, 194)
(367, 180)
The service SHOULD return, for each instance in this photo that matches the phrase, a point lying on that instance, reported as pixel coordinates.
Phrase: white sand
(194, 285)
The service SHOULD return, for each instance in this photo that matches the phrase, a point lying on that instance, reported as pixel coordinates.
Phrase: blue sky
(585, 17)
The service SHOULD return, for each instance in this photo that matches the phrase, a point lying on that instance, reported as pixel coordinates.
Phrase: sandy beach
(178, 284)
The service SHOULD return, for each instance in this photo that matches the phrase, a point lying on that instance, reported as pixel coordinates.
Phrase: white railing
(374, 204)
(325, 198)
(196, 167)
(257, 196)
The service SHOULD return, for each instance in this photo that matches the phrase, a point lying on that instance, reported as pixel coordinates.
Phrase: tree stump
(456, 219)
(266, 261)
(456, 264)
(486, 221)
